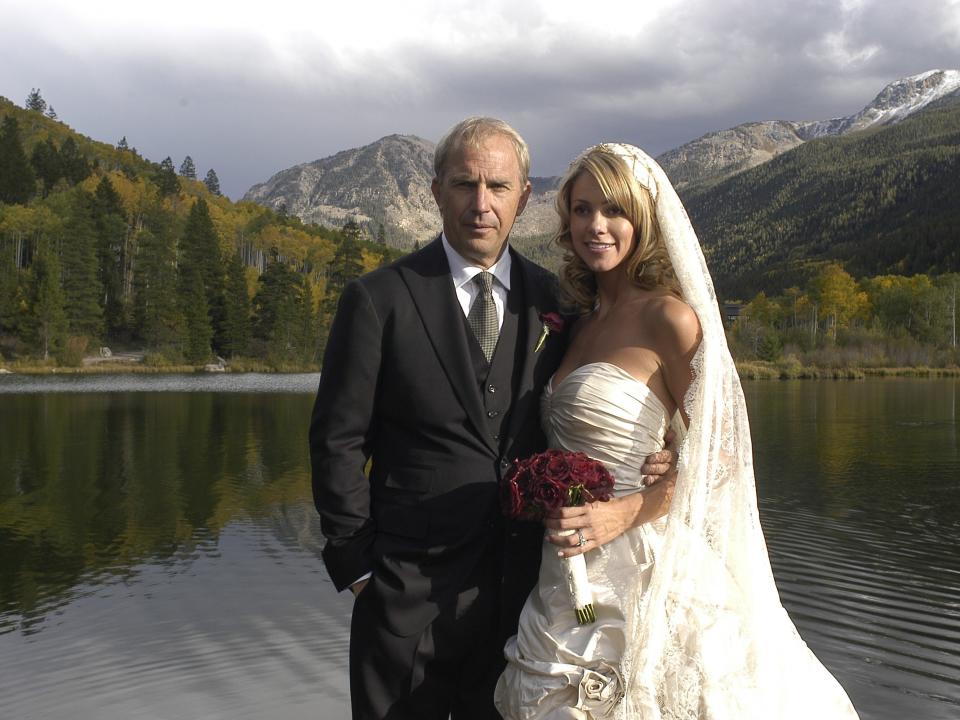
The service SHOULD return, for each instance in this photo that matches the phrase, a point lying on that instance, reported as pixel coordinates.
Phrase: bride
(689, 623)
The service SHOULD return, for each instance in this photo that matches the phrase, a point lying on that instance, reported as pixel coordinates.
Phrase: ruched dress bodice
(557, 669)
(602, 410)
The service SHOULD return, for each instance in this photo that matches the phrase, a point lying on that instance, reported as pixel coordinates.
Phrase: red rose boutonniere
(552, 322)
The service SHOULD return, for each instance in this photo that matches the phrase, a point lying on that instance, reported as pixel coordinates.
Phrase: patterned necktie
(483, 315)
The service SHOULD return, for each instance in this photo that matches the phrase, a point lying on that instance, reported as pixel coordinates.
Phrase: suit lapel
(427, 277)
(537, 299)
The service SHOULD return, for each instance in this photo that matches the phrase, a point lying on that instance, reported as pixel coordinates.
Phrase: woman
(689, 622)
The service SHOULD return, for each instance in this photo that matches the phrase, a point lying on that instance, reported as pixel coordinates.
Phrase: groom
(433, 372)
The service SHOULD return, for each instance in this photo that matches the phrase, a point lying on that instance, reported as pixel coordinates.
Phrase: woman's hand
(600, 522)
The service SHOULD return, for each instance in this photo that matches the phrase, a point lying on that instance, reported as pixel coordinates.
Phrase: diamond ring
(583, 540)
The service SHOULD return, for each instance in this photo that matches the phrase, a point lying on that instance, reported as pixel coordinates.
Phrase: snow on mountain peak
(894, 103)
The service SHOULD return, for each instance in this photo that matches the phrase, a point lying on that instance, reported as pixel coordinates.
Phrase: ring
(583, 540)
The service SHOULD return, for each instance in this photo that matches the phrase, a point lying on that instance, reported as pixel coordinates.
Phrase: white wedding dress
(689, 621)
(557, 668)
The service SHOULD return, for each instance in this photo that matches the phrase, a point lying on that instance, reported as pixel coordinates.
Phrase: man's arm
(340, 436)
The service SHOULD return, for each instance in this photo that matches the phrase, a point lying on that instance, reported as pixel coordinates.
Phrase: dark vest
(498, 380)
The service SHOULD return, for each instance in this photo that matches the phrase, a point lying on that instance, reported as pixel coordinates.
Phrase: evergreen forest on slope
(881, 201)
(100, 247)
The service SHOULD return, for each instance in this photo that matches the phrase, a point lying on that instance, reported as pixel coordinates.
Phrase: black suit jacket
(397, 388)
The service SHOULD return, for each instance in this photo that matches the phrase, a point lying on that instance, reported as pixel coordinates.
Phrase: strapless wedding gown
(557, 669)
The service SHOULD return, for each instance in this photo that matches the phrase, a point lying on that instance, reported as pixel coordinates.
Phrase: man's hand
(358, 586)
(661, 465)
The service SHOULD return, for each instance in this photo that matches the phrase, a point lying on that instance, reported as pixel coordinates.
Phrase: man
(434, 371)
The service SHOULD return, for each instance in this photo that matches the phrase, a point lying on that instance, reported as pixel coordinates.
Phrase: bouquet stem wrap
(578, 584)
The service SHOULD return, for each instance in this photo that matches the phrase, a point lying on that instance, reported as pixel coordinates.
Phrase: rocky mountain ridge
(718, 155)
(387, 183)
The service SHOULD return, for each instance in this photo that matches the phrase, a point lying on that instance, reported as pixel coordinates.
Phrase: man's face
(479, 196)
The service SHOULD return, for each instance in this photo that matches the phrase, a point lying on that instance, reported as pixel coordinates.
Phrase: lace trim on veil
(708, 638)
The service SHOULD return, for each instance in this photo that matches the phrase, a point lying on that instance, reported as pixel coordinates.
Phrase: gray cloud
(242, 105)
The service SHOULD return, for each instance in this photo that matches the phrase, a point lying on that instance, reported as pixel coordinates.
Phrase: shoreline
(748, 370)
(760, 370)
(126, 367)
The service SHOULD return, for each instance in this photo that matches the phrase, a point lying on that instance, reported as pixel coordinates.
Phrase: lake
(159, 551)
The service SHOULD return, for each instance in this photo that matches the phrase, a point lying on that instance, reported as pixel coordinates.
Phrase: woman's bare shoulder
(670, 323)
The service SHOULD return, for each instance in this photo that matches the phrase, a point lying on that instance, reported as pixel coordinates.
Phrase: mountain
(718, 155)
(386, 182)
(720, 175)
(880, 201)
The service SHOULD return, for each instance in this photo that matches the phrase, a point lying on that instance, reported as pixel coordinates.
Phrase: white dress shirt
(462, 272)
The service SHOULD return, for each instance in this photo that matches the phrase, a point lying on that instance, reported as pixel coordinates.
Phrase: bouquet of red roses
(551, 480)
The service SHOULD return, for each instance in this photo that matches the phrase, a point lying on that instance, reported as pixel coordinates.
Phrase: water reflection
(94, 484)
(858, 486)
(159, 555)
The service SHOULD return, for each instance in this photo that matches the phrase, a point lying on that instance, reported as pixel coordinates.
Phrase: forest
(101, 248)
(880, 202)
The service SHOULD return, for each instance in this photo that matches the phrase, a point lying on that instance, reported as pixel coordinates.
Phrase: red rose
(552, 320)
(539, 464)
(558, 470)
(550, 495)
(581, 467)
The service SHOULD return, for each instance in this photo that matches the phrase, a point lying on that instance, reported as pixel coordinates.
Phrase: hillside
(100, 246)
(881, 201)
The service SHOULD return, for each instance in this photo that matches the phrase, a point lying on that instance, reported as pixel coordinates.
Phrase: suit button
(504, 463)
(493, 413)
(491, 388)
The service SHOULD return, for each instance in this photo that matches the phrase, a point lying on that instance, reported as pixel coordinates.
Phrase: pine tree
(76, 169)
(275, 309)
(122, 145)
(212, 182)
(51, 113)
(166, 179)
(381, 234)
(9, 292)
(46, 318)
(45, 160)
(193, 307)
(111, 230)
(236, 310)
(82, 288)
(307, 335)
(346, 265)
(200, 248)
(35, 101)
(158, 319)
(17, 183)
(352, 230)
(188, 169)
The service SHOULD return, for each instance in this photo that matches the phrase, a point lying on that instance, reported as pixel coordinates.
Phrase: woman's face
(602, 235)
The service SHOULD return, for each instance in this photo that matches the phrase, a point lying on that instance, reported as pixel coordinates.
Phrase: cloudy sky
(253, 88)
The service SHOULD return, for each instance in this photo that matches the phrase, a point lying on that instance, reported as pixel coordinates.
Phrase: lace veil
(708, 638)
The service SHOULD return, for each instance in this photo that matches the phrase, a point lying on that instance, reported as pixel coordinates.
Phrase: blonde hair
(648, 264)
(472, 132)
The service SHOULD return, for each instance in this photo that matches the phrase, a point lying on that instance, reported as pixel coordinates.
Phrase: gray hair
(472, 132)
